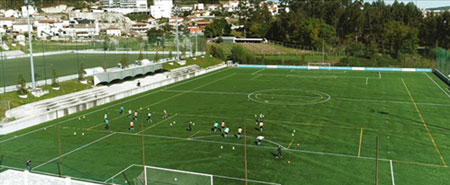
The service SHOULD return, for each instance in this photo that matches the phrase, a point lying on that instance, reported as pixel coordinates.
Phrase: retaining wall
(338, 68)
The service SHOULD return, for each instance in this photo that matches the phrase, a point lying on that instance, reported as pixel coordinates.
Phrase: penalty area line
(392, 172)
(360, 142)
(76, 149)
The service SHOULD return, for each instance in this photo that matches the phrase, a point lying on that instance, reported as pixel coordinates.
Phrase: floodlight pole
(45, 66)
(196, 44)
(3, 66)
(176, 36)
(27, 2)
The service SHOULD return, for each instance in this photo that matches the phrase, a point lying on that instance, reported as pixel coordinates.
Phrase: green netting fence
(443, 64)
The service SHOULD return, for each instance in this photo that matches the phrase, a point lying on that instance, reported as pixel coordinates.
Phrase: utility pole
(27, 2)
(3, 66)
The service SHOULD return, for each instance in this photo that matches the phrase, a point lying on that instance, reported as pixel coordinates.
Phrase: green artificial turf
(336, 115)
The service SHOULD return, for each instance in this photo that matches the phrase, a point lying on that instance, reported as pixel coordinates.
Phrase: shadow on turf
(412, 120)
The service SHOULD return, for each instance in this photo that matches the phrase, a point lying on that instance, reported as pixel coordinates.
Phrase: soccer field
(64, 64)
(326, 121)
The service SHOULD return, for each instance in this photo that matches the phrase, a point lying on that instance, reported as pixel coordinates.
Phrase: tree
(219, 27)
(124, 61)
(141, 56)
(400, 38)
(157, 57)
(81, 73)
(54, 78)
(21, 85)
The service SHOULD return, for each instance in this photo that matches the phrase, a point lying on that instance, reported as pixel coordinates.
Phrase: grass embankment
(66, 88)
(202, 62)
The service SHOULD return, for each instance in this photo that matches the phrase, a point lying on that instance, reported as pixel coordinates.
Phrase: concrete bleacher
(15, 177)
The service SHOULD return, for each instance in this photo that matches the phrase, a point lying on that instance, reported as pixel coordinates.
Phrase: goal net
(156, 175)
(319, 65)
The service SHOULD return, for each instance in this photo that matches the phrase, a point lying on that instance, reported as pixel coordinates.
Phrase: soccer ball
(221, 147)
(233, 147)
(82, 134)
(74, 133)
(175, 179)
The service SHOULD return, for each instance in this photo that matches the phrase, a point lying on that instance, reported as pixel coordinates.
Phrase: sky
(419, 3)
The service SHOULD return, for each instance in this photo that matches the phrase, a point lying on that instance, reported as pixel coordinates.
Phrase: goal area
(319, 65)
(151, 175)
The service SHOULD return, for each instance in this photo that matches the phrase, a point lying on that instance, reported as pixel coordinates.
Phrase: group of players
(223, 128)
(133, 117)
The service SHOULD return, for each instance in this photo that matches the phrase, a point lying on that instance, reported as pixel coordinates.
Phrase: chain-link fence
(443, 64)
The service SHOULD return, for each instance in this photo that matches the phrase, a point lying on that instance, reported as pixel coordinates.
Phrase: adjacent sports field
(336, 115)
(64, 64)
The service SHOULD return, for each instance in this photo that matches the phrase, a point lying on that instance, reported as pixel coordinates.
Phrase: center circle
(289, 97)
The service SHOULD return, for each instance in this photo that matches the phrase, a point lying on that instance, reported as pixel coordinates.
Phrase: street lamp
(27, 3)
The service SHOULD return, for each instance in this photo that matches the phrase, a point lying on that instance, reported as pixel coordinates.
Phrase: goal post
(157, 175)
(319, 65)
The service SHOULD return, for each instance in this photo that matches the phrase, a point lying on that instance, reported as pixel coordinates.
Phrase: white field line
(196, 173)
(367, 80)
(255, 77)
(118, 173)
(202, 76)
(274, 148)
(119, 103)
(379, 75)
(437, 85)
(337, 98)
(254, 146)
(392, 173)
(76, 149)
(318, 76)
(258, 71)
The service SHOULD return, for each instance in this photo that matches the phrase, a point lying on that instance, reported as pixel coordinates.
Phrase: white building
(140, 28)
(199, 6)
(11, 13)
(161, 8)
(173, 21)
(86, 30)
(7, 22)
(231, 5)
(113, 31)
(56, 9)
(142, 4)
(30, 9)
(49, 28)
(21, 27)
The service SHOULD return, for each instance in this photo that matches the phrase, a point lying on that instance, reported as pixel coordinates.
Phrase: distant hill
(440, 8)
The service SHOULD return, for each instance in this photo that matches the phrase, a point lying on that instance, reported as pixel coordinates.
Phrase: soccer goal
(319, 65)
(158, 175)
(123, 49)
